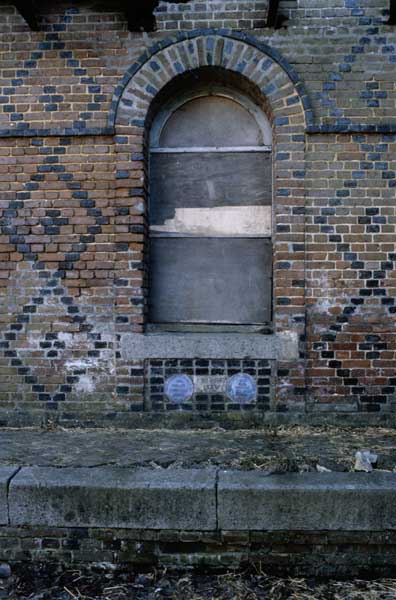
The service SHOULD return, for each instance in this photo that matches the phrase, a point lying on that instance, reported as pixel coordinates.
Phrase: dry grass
(297, 448)
(48, 583)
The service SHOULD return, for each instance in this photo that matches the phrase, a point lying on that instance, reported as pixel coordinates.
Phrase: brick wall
(333, 554)
(351, 271)
(75, 102)
(212, 13)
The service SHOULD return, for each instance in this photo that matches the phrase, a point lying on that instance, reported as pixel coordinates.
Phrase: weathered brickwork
(64, 76)
(58, 255)
(197, 14)
(76, 102)
(351, 263)
(328, 554)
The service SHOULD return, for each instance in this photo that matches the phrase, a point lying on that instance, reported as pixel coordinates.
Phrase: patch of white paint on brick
(284, 387)
(85, 384)
(287, 344)
(66, 338)
(323, 305)
(81, 363)
(33, 340)
(103, 364)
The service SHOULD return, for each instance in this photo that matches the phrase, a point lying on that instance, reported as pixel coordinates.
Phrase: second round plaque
(241, 388)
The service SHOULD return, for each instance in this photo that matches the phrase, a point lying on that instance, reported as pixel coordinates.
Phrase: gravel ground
(48, 583)
(298, 448)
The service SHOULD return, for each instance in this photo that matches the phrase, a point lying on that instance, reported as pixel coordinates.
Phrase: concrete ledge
(315, 502)
(6, 474)
(197, 499)
(114, 497)
(135, 346)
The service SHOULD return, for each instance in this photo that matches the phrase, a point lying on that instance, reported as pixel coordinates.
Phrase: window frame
(161, 119)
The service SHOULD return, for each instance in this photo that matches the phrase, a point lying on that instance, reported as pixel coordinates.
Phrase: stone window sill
(140, 346)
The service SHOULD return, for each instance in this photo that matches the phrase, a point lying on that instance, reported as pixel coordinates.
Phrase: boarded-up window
(210, 213)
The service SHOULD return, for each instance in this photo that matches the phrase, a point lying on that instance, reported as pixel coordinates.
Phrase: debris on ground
(321, 469)
(298, 448)
(364, 461)
(40, 582)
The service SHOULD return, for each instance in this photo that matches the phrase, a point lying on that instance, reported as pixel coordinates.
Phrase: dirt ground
(280, 449)
(38, 582)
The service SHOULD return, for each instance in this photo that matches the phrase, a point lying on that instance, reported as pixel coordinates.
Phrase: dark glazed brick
(212, 401)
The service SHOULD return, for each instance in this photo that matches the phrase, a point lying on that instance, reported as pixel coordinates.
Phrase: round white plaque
(241, 388)
(179, 388)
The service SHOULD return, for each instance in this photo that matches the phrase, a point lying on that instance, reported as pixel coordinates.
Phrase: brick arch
(289, 107)
(239, 53)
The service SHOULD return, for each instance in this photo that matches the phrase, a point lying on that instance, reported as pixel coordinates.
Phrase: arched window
(210, 212)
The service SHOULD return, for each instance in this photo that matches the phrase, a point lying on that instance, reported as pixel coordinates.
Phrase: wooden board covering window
(210, 215)
(210, 280)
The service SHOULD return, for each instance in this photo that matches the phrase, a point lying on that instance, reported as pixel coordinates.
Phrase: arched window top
(214, 118)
